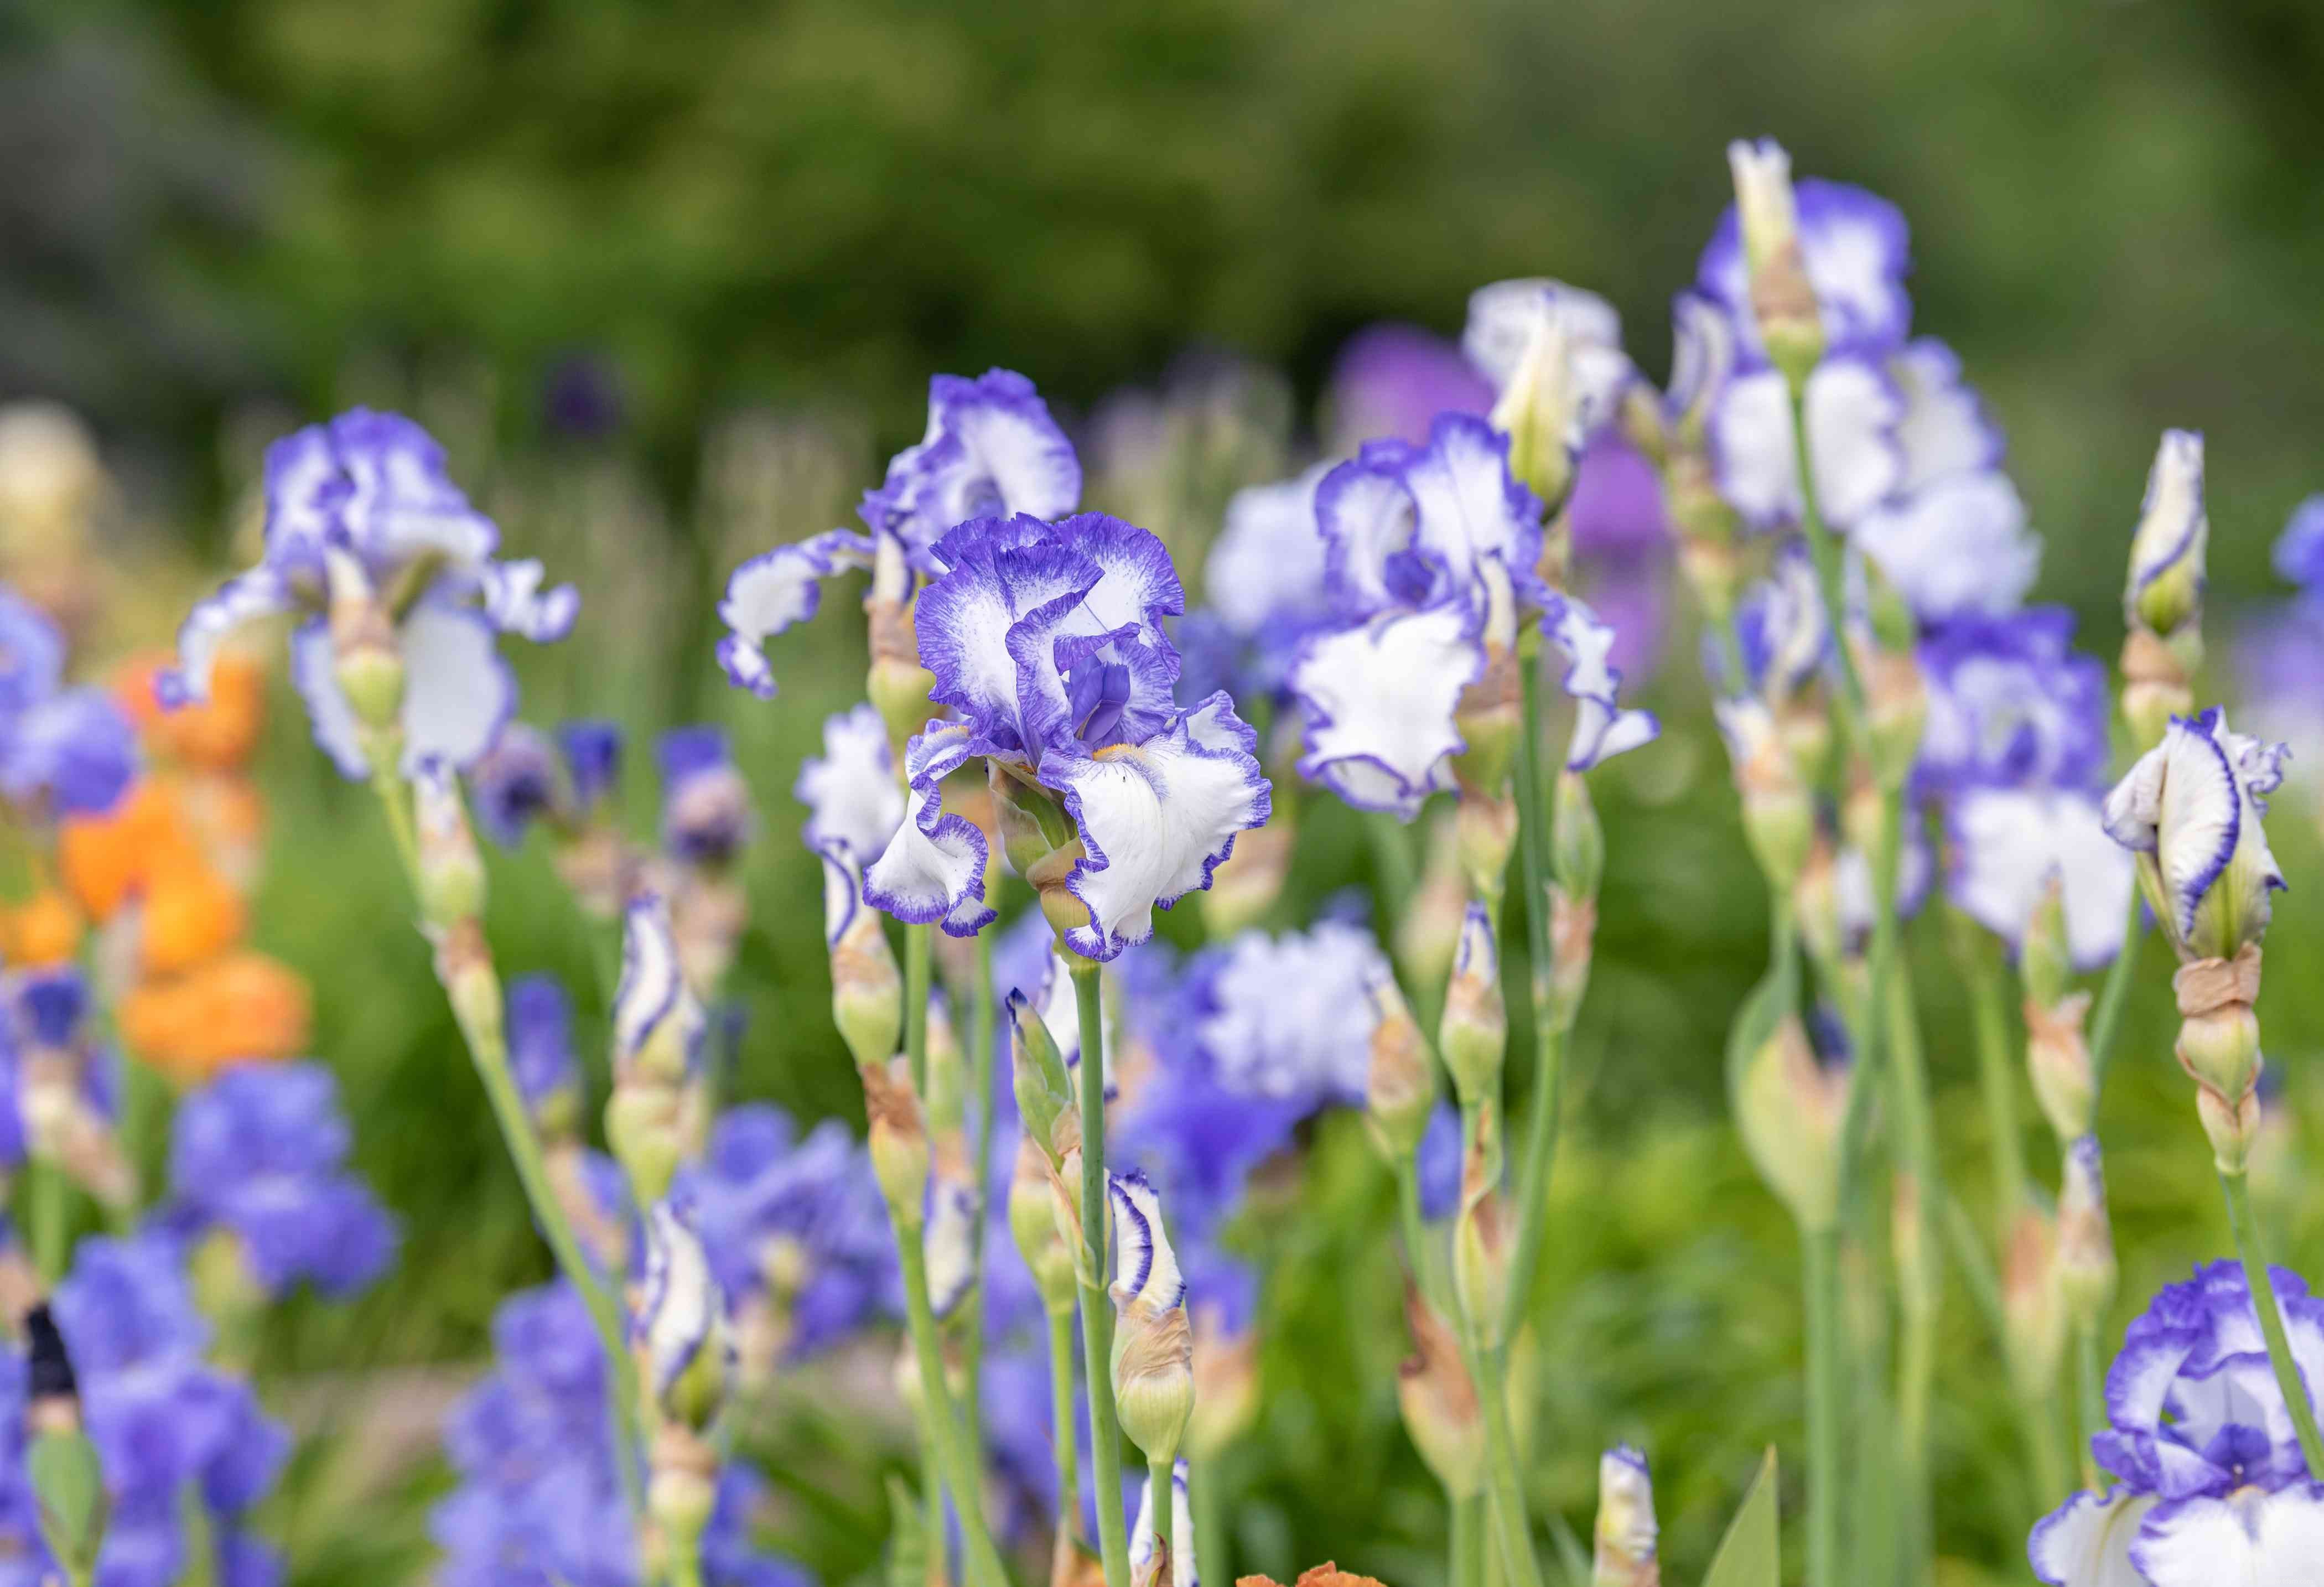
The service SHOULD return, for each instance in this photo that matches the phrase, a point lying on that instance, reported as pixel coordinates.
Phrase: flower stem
(1202, 1497)
(981, 1015)
(50, 1194)
(1097, 1309)
(1533, 815)
(1819, 1281)
(2090, 1395)
(1468, 1543)
(1922, 1285)
(917, 947)
(2240, 1217)
(1064, 1447)
(488, 1053)
(955, 1458)
(1506, 1501)
(1997, 1073)
(1166, 1517)
(2106, 1022)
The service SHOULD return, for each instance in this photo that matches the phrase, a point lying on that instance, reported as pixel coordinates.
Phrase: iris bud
(1789, 1110)
(1782, 300)
(1473, 1036)
(2059, 1059)
(2085, 1264)
(451, 870)
(1440, 1405)
(1400, 1085)
(898, 1142)
(1625, 1532)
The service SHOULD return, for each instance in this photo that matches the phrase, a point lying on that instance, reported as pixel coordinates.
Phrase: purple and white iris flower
(1289, 1018)
(2190, 813)
(2009, 843)
(705, 806)
(2211, 1486)
(361, 509)
(990, 451)
(63, 752)
(1430, 552)
(1266, 587)
(2012, 702)
(1048, 641)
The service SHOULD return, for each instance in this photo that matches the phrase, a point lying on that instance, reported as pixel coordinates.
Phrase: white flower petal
(2250, 1539)
(1156, 819)
(260, 591)
(1183, 1571)
(313, 671)
(852, 797)
(1602, 727)
(1852, 412)
(2086, 1542)
(933, 869)
(1945, 430)
(515, 602)
(457, 690)
(2009, 841)
(681, 1305)
(1959, 546)
(1378, 700)
(774, 589)
(1269, 558)
(949, 1241)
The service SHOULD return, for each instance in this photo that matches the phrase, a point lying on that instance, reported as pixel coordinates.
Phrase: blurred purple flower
(1392, 380)
(262, 1151)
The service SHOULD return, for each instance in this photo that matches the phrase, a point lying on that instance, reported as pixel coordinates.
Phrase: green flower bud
(1789, 1110)
(898, 1142)
(1440, 1405)
(1473, 1036)
(1400, 1085)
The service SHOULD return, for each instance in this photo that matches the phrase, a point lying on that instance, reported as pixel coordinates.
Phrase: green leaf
(1570, 1555)
(70, 1485)
(1751, 1554)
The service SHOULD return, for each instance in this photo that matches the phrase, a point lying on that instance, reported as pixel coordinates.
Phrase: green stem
(1917, 1361)
(1166, 1516)
(1203, 1479)
(2240, 1217)
(1428, 1262)
(1820, 1280)
(981, 1015)
(488, 1053)
(2106, 1022)
(917, 949)
(935, 1570)
(1997, 1073)
(1394, 873)
(2090, 1395)
(1468, 1542)
(1548, 1034)
(955, 1459)
(50, 1194)
(1506, 1501)
(1063, 1445)
(1097, 1309)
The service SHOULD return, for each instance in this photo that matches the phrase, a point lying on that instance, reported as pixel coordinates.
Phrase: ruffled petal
(457, 692)
(996, 572)
(1960, 545)
(1469, 510)
(1378, 700)
(1601, 726)
(991, 450)
(2250, 1539)
(515, 602)
(2202, 817)
(2086, 1541)
(1945, 430)
(774, 589)
(933, 869)
(1365, 516)
(853, 801)
(1145, 1268)
(400, 502)
(306, 491)
(1156, 818)
(260, 591)
(333, 721)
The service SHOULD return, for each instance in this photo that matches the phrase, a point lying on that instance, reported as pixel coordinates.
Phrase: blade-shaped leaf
(1751, 1553)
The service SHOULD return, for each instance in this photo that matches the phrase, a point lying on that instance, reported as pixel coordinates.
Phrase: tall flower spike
(1153, 1347)
(368, 493)
(1182, 1570)
(1625, 1532)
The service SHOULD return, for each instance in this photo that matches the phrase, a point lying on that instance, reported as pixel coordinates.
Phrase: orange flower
(107, 859)
(241, 1008)
(1326, 1574)
(191, 914)
(43, 930)
(218, 733)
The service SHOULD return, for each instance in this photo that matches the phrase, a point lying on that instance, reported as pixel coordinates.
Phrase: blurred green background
(741, 236)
